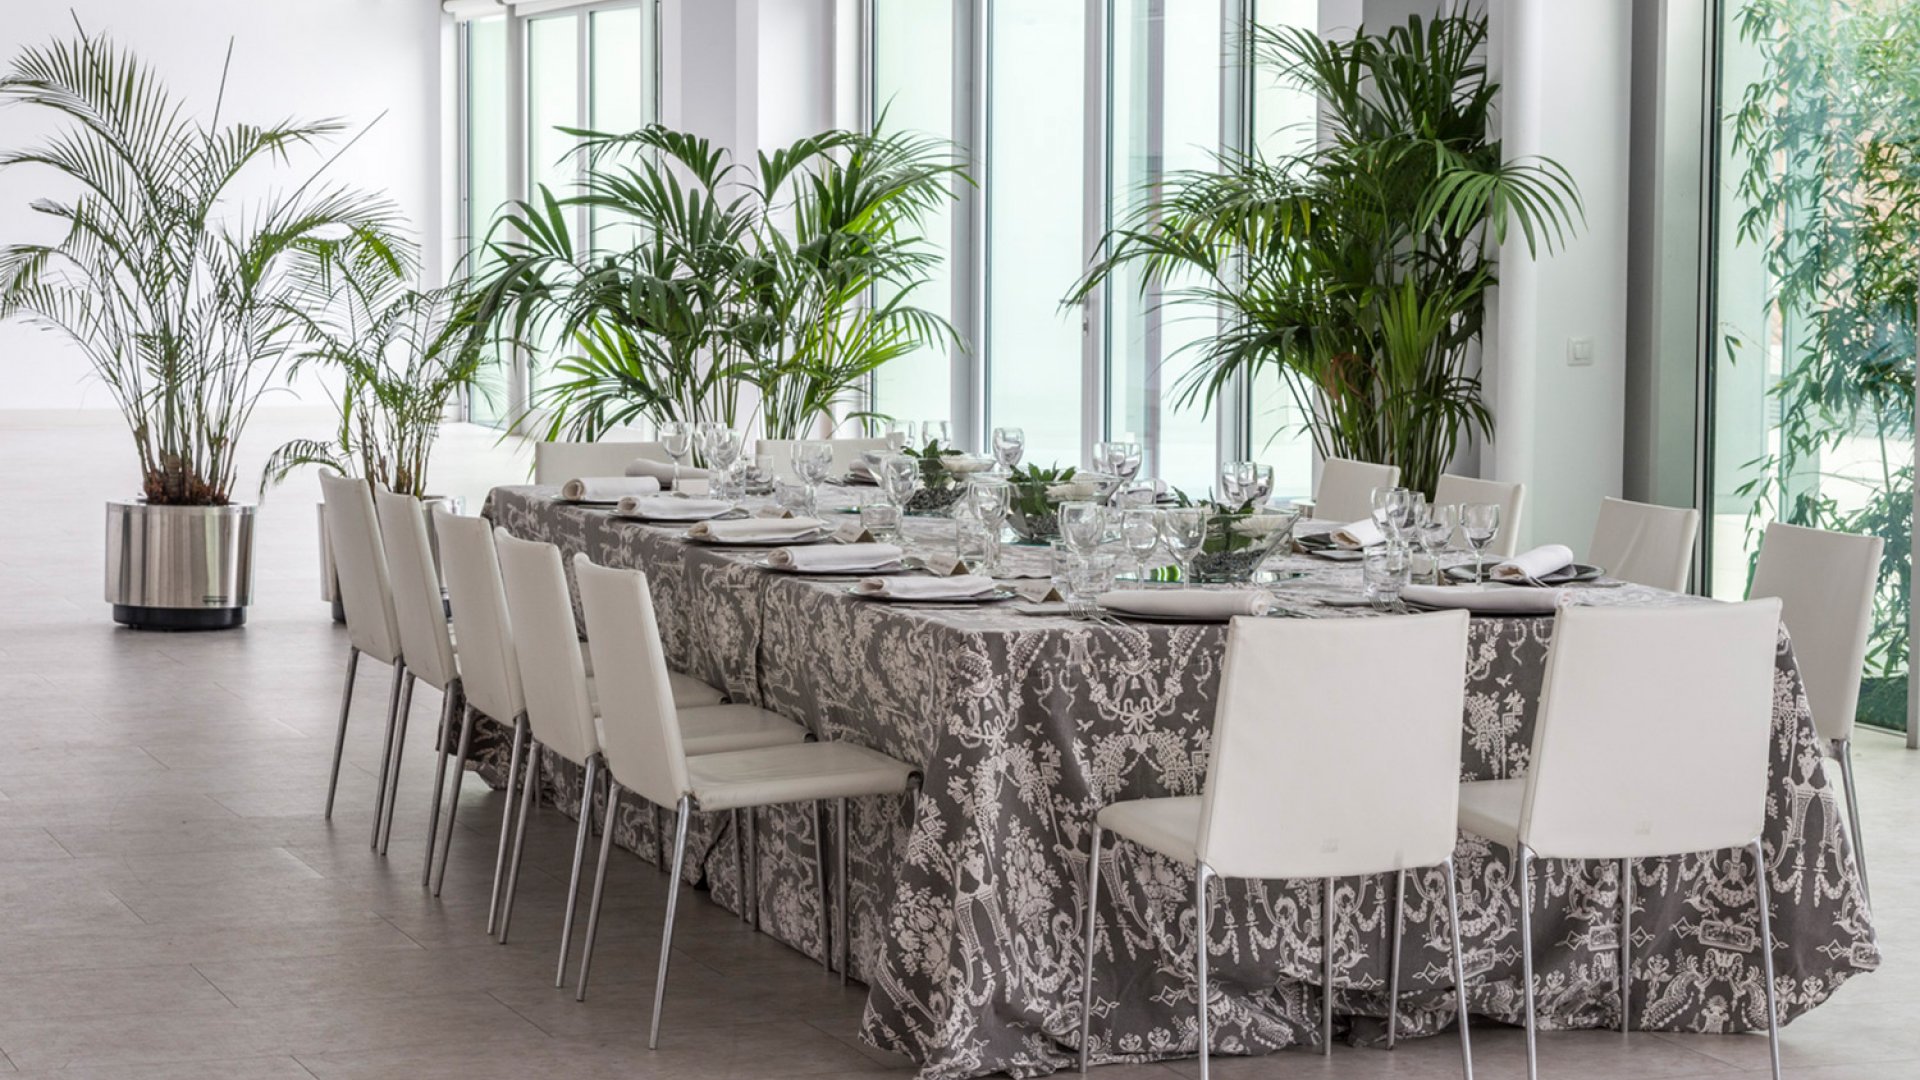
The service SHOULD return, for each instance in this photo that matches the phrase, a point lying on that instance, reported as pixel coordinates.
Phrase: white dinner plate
(763, 564)
(758, 541)
(993, 597)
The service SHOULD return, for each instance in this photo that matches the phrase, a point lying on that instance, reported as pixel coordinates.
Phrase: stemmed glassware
(936, 431)
(720, 445)
(1479, 523)
(1184, 531)
(1394, 511)
(1083, 525)
(1244, 482)
(987, 499)
(1140, 529)
(813, 463)
(900, 435)
(1009, 443)
(1436, 529)
(899, 478)
(676, 438)
(1119, 457)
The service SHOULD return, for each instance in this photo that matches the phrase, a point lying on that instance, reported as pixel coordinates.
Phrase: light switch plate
(1580, 352)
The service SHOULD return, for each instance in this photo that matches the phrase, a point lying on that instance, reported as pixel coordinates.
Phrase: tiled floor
(172, 905)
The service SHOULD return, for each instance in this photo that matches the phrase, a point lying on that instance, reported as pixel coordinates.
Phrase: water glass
(1009, 444)
(1436, 530)
(881, 520)
(1140, 530)
(676, 438)
(1479, 523)
(1184, 531)
(1092, 575)
(990, 498)
(719, 444)
(899, 478)
(793, 497)
(1387, 569)
(1119, 457)
(977, 545)
(1060, 560)
(1083, 525)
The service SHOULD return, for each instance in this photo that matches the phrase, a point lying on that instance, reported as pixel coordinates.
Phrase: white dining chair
(779, 454)
(1346, 488)
(1644, 543)
(562, 710)
(489, 666)
(1511, 498)
(1272, 810)
(558, 462)
(1651, 741)
(420, 609)
(353, 532)
(646, 741)
(1826, 582)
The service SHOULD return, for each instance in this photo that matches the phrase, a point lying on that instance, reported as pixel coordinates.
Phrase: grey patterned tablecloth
(965, 902)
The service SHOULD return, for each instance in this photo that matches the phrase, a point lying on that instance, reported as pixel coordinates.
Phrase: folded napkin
(607, 489)
(1534, 564)
(1211, 604)
(671, 508)
(662, 471)
(758, 530)
(1360, 534)
(964, 587)
(1484, 599)
(836, 558)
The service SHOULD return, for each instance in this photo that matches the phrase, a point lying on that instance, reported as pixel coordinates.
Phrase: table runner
(964, 901)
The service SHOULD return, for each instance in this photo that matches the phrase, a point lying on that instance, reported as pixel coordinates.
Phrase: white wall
(351, 59)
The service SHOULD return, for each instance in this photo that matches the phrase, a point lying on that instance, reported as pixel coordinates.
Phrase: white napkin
(1534, 564)
(758, 530)
(662, 471)
(1220, 604)
(1485, 599)
(836, 558)
(1360, 534)
(608, 489)
(670, 508)
(963, 587)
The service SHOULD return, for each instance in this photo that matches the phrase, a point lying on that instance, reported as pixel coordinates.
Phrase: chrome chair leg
(529, 793)
(1459, 970)
(599, 890)
(340, 737)
(842, 940)
(1326, 969)
(1524, 859)
(506, 819)
(1758, 847)
(587, 783)
(666, 936)
(1201, 875)
(443, 749)
(383, 823)
(1086, 975)
(468, 720)
(1843, 750)
(1393, 958)
(820, 875)
(1626, 945)
(386, 749)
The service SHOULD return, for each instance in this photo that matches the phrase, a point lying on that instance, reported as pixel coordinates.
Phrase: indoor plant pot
(179, 567)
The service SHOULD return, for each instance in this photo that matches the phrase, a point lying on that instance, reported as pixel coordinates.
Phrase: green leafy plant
(1357, 271)
(185, 297)
(793, 279)
(1038, 491)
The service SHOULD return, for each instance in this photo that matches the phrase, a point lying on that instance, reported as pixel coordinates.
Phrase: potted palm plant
(184, 296)
(1358, 270)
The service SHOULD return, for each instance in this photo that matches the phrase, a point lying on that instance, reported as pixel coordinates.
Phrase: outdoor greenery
(1358, 270)
(771, 291)
(1829, 193)
(186, 297)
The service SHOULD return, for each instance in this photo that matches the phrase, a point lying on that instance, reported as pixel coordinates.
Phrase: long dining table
(965, 899)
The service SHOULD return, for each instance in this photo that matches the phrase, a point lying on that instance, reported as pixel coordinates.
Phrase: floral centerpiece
(1037, 494)
(1238, 539)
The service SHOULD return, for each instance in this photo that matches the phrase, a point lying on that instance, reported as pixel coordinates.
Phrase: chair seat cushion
(717, 729)
(798, 773)
(1169, 826)
(691, 693)
(1491, 809)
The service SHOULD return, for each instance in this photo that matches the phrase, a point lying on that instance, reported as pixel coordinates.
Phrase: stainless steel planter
(179, 567)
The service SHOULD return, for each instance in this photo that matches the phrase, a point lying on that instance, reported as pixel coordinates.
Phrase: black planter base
(164, 618)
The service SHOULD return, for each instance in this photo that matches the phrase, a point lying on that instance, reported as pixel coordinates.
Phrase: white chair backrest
(559, 462)
(1653, 733)
(489, 668)
(643, 747)
(1346, 488)
(353, 532)
(418, 606)
(1825, 582)
(1296, 695)
(1644, 543)
(1511, 498)
(779, 454)
(553, 674)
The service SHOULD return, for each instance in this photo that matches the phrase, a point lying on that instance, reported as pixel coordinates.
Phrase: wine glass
(1140, 529)
(990, 497)
(1184, 531)
(676, 438)
(1260, 483)
(812, 463)
(1479, 523)
(1392, 510)
(1231, 484)
(1009, 443)
(1119, 457)
(1436, 532)
(899, 478)
(976, 544)
(1083, 525)
(936, 431)
(1244, 483)
(721, 445)
(900, 434)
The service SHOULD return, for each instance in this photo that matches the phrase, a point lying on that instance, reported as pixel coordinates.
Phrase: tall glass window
(484, 164)
(1811, 379)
